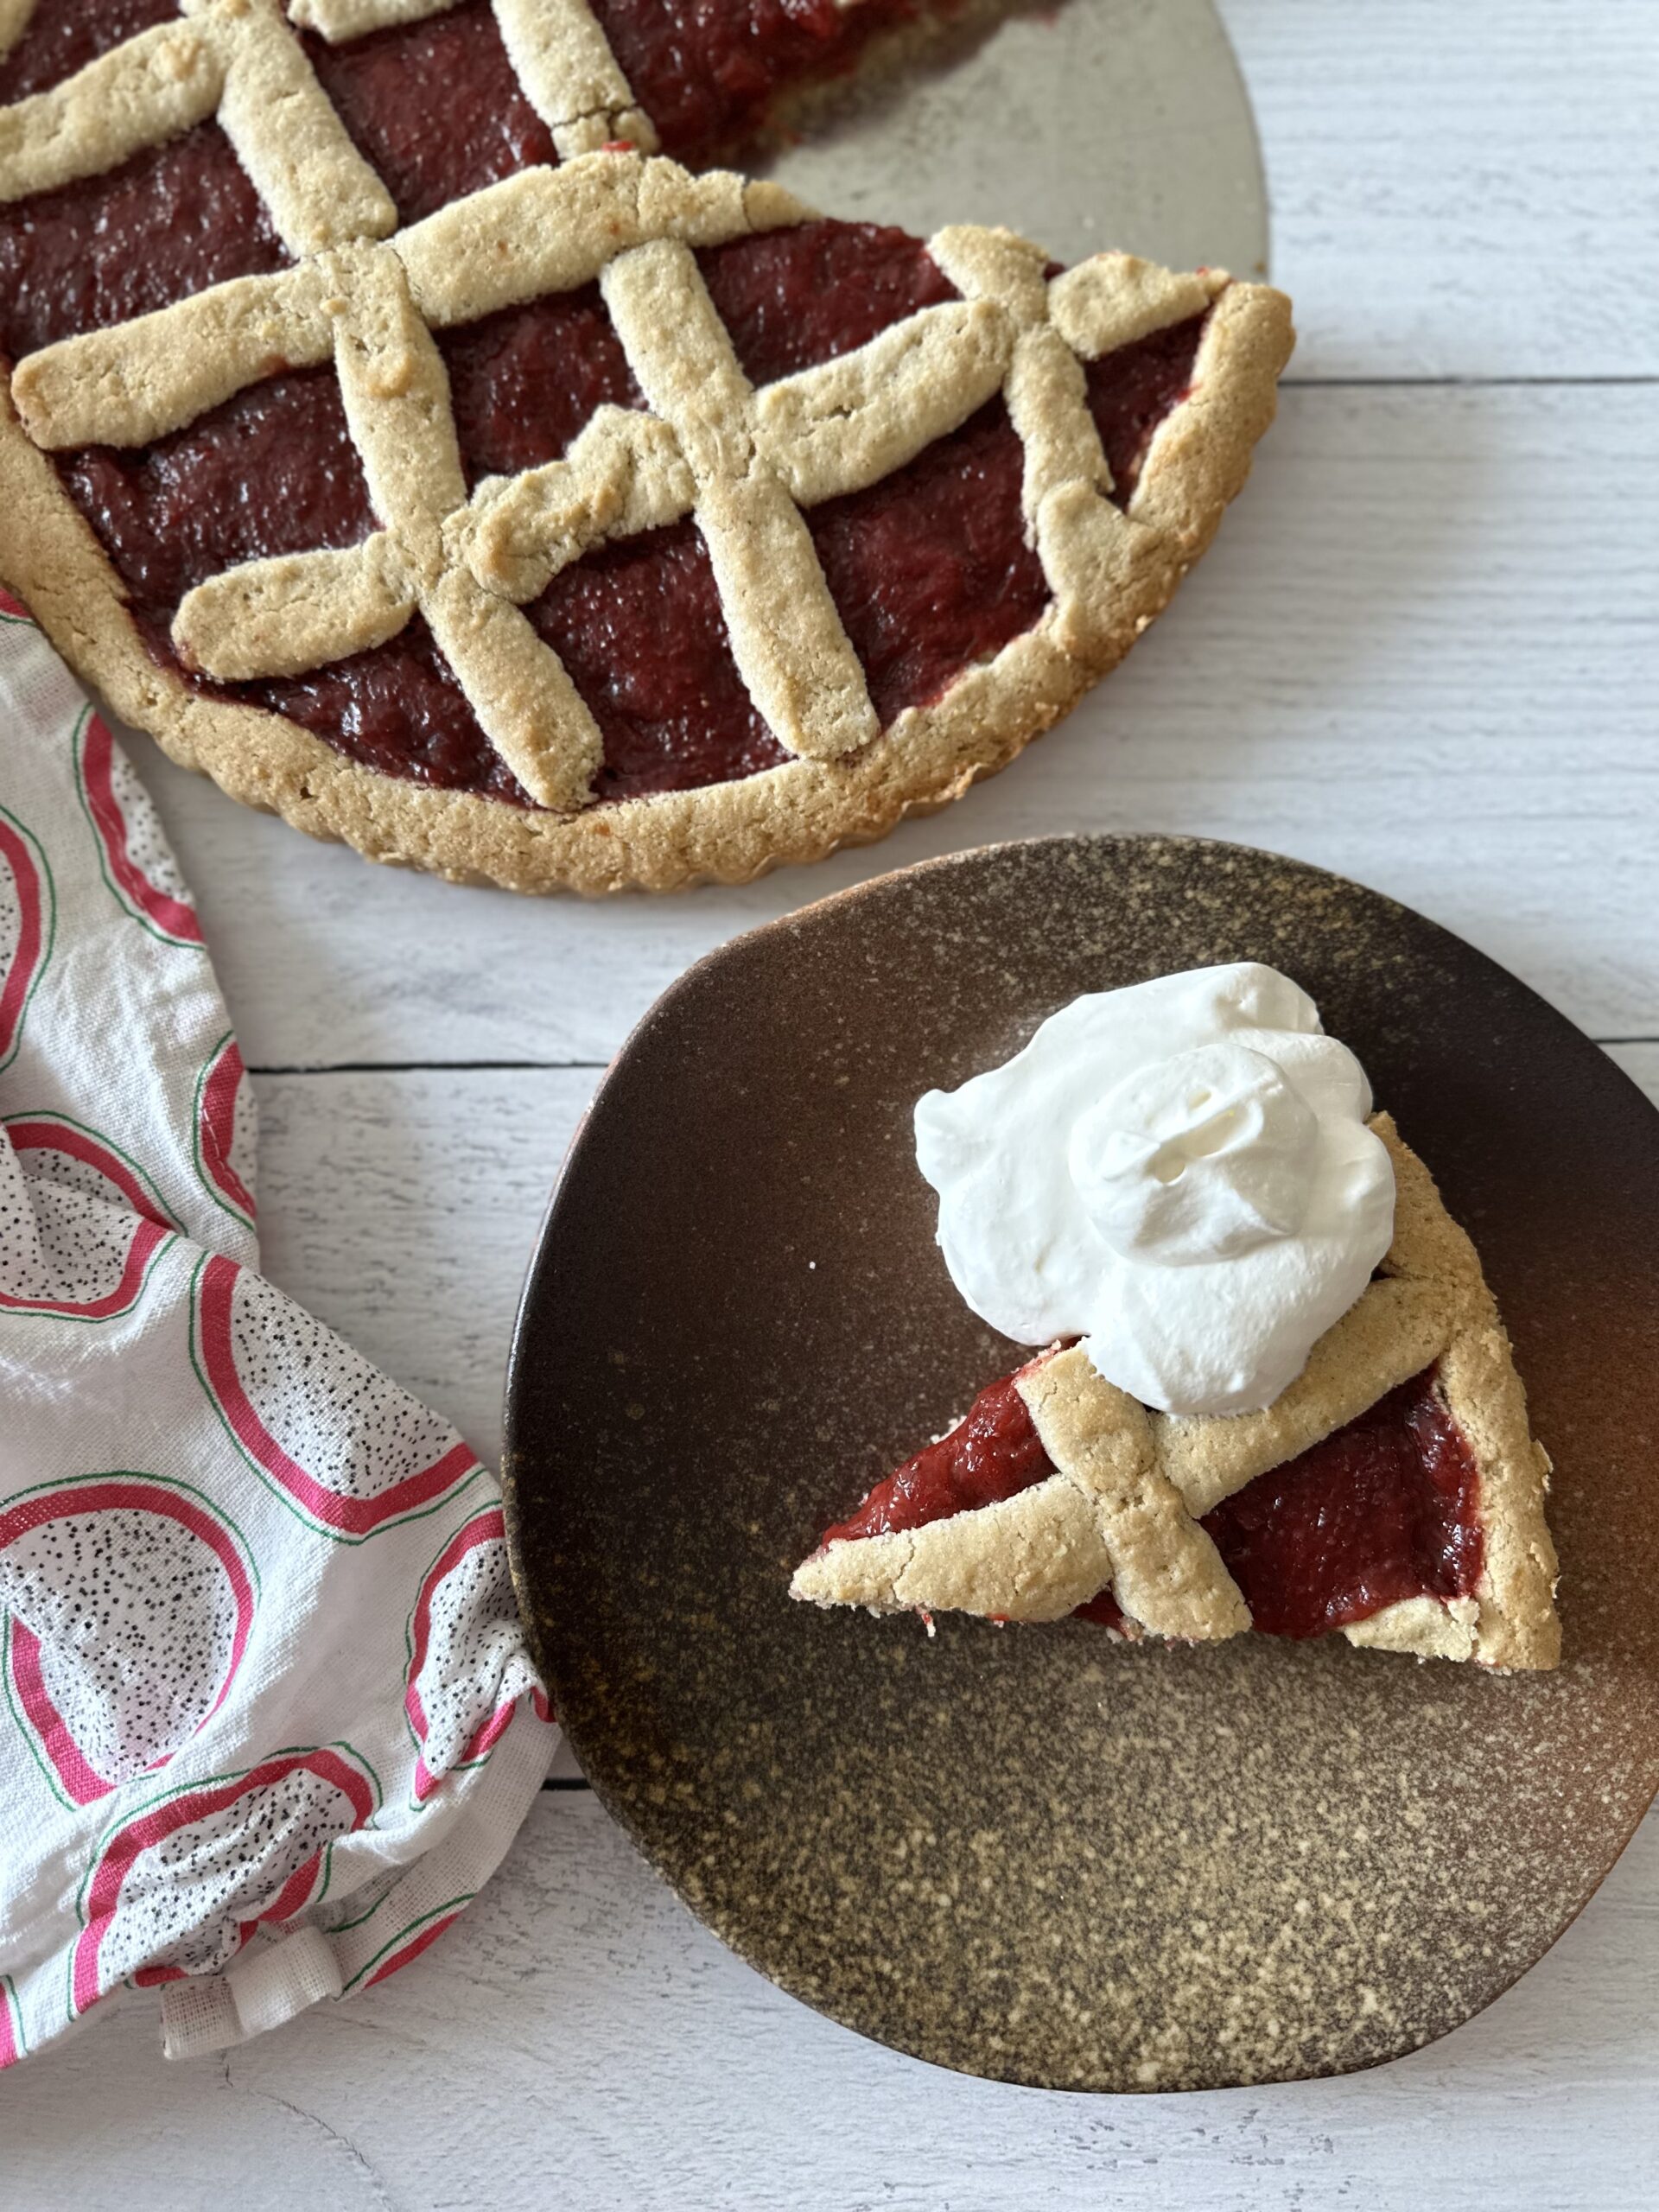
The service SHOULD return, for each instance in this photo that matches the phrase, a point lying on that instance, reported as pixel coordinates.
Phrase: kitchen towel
(267, 1720)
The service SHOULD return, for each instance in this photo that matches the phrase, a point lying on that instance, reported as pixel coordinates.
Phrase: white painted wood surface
(583, 2044)
(1425, 651)
(1464, 191)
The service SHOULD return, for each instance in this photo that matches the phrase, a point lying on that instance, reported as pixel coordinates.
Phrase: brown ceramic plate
(1030, 1852)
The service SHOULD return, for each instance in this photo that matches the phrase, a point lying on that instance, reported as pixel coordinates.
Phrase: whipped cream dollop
(1179, 1174)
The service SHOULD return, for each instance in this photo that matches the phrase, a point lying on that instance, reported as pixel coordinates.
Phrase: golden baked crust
(744, 461)
(1130, 1485)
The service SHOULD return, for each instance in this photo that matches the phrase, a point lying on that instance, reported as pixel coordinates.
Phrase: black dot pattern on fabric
(137, 1621)
(352, 1431)
(185, 1897)
(474, 1635)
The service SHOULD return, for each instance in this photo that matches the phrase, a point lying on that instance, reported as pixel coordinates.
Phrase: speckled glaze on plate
(1031, 1854)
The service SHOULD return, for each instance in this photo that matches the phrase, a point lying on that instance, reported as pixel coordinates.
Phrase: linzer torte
(407, 430)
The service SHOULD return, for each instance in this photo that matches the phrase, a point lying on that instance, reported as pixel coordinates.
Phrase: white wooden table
(1425, 651)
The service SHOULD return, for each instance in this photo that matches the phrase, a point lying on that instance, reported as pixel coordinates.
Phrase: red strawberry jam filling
(170, 516)
(1131, 391)
(434, 107)
(169, 222)
(929, 569)
(523, 383)
(639, 626)
(707, 72)
(790, 299)
(397, 708)
(992, 1453)
(1383, 1508)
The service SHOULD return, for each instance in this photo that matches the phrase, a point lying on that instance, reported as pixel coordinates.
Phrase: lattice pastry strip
(1131, 1486)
